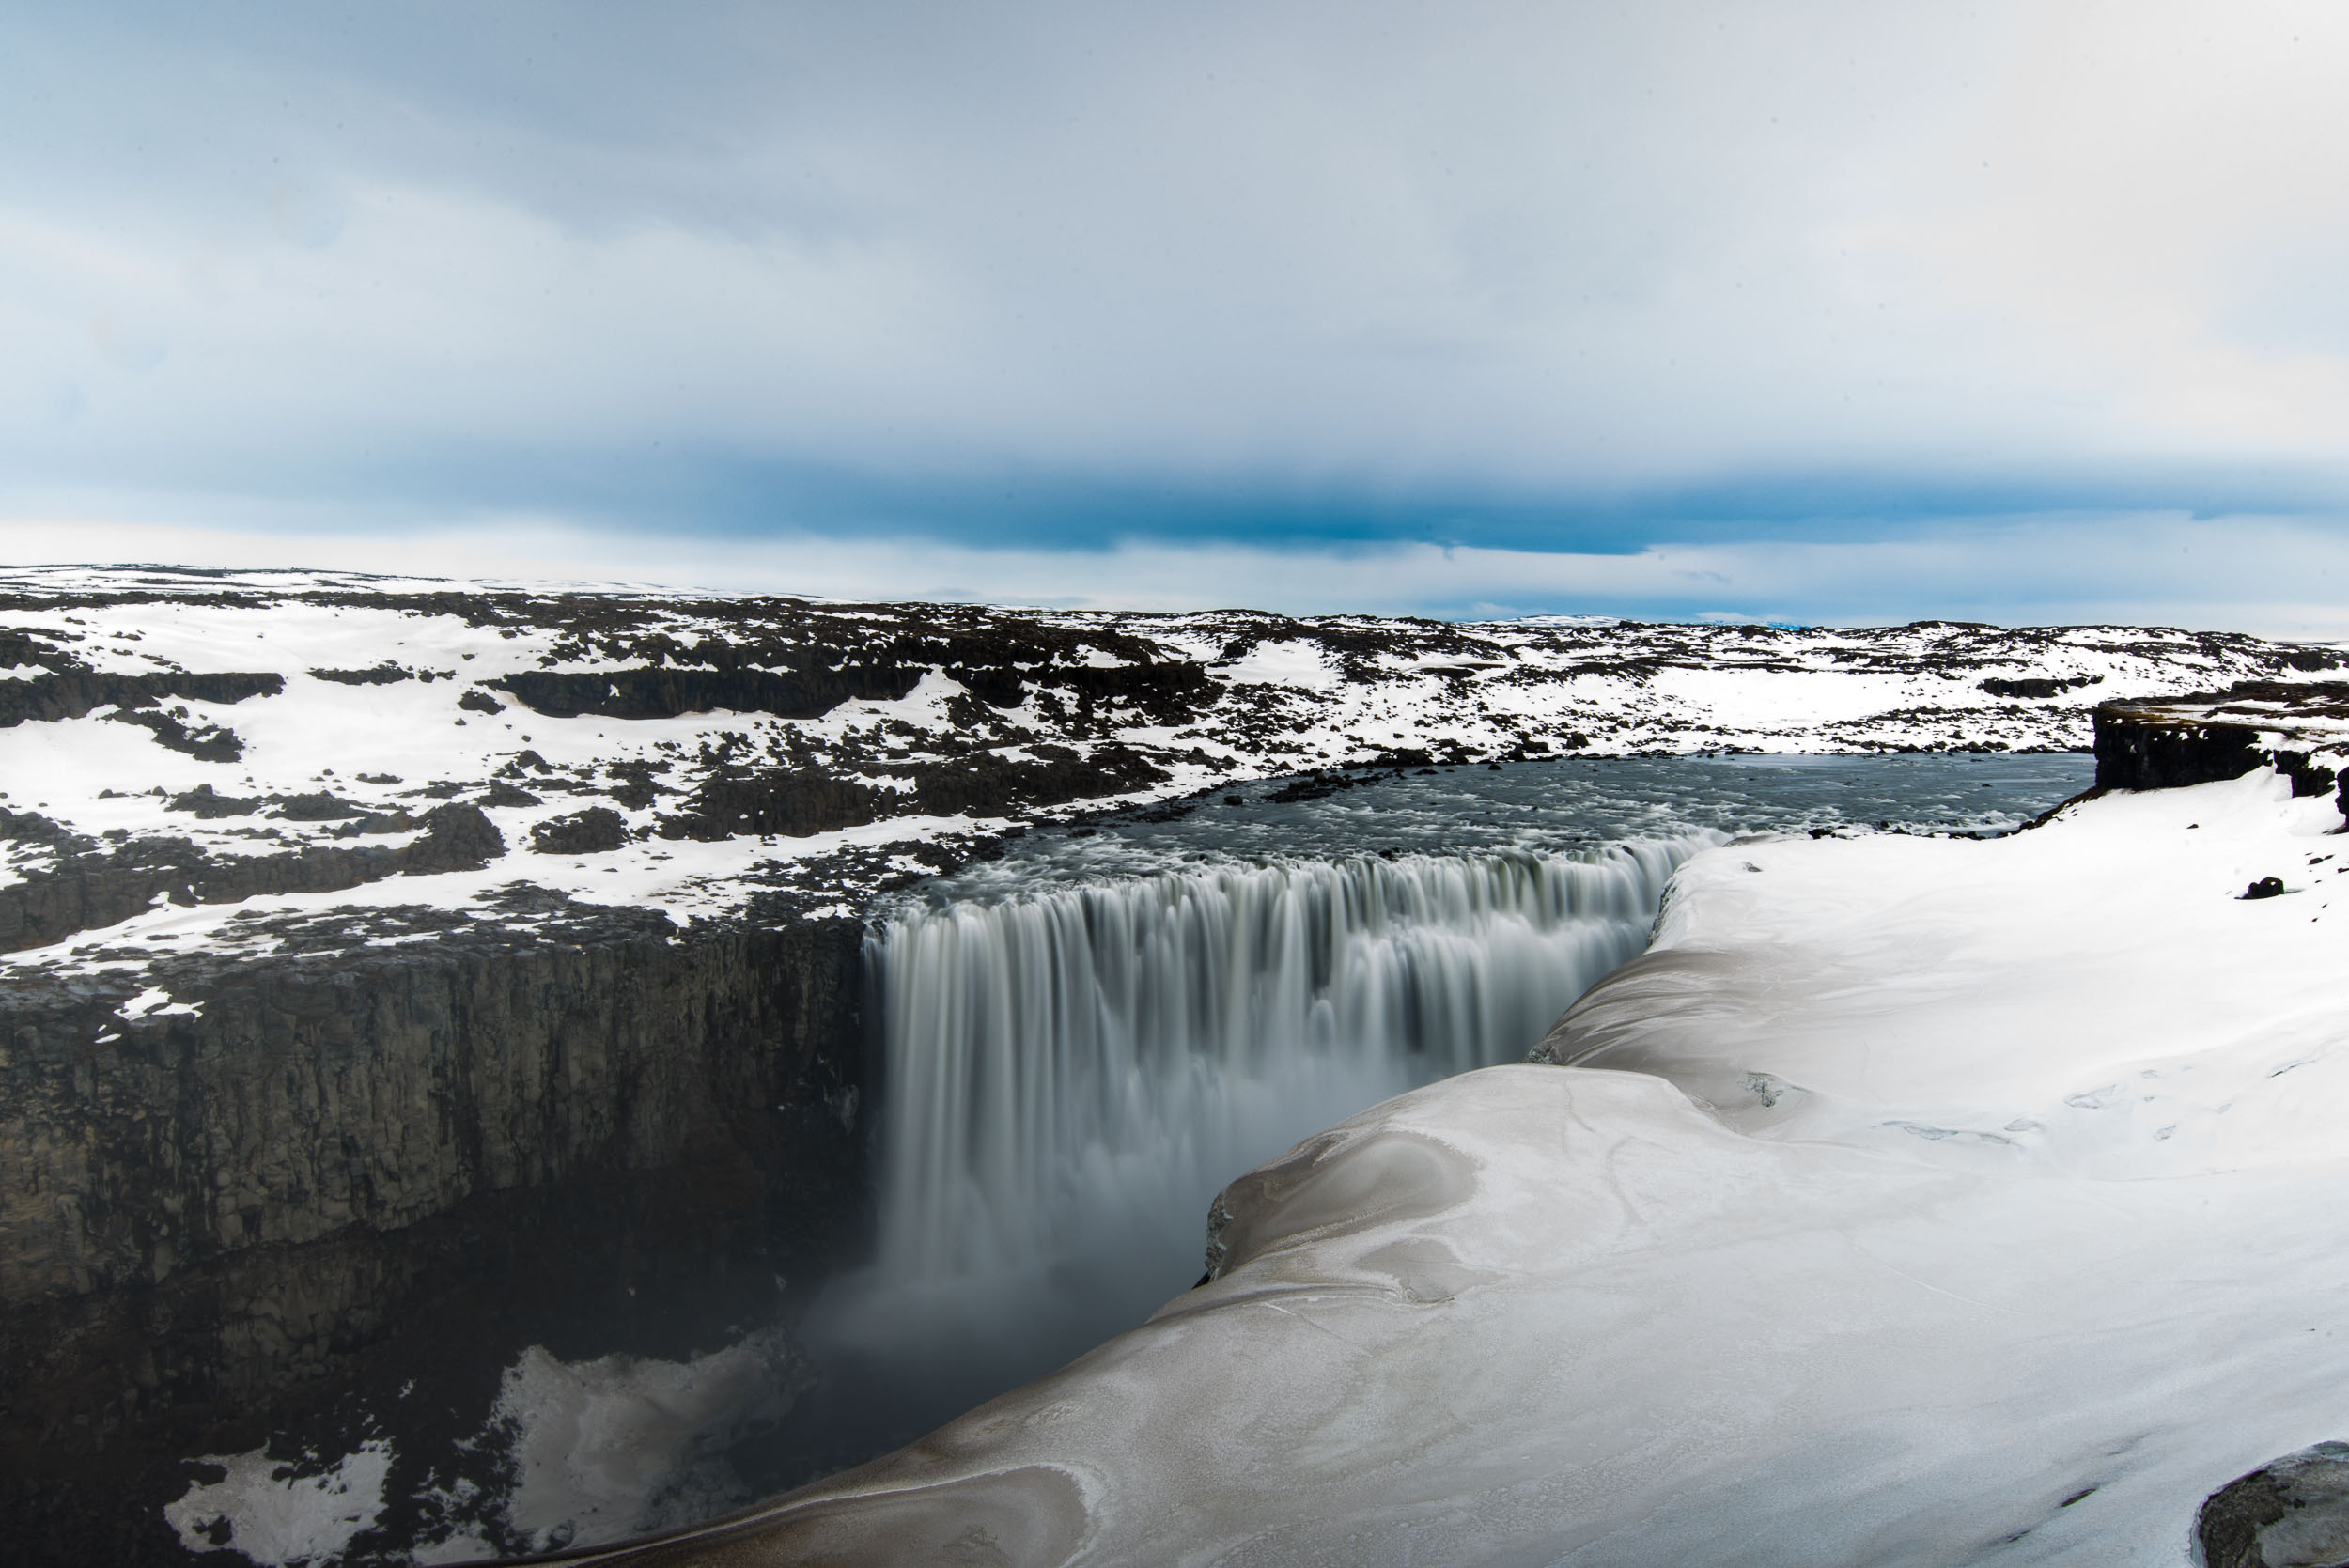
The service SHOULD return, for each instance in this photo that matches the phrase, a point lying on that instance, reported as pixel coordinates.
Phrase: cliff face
(217, 1219)
(2202, 738)
(364, 1090)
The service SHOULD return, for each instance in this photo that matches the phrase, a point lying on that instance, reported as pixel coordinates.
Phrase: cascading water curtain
(1073, 1072)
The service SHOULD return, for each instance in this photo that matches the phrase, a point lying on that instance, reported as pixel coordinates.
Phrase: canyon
(400, 974)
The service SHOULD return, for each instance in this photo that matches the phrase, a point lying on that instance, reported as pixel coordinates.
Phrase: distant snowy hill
(290, 742)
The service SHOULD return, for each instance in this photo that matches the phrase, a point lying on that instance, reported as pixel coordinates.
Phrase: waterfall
(1072, 1072)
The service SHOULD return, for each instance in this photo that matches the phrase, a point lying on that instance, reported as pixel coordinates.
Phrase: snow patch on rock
(278, 1515)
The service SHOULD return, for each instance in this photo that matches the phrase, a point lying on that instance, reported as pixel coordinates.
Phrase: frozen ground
(1913, 1201)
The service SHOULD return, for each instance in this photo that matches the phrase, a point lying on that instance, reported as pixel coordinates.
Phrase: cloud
(1526, 276)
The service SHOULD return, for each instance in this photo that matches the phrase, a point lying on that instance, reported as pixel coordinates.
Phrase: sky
(1801, 311)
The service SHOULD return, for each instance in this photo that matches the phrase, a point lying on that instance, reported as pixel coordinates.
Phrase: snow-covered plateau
(401, 975)
(1911, 1202)
(247, 753)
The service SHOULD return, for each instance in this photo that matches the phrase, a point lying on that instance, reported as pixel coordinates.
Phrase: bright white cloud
(1538, 245)
(283, 263)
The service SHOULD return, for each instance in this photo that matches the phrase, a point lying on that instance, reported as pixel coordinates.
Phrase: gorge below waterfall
(1082, 1043)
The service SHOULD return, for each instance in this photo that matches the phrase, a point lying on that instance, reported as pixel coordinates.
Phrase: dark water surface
(1566, 805)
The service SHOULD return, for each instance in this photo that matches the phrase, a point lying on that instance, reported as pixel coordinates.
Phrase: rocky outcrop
(90, 885)
(2205, 737)
(583, 832)
(665, 693)
(73, 693)
(2290, 1512)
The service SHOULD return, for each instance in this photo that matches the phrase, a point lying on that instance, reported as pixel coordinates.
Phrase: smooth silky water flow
(1082, 1043)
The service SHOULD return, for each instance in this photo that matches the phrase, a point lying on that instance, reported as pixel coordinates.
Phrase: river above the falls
(1560, 805)
(1079, 1044)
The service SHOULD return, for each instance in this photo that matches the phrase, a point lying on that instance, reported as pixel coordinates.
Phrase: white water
(1073, 1072)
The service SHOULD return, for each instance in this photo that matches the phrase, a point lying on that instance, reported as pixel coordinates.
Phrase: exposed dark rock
(500, 793)
(2266, 886)
(2036, 685)
(635, 789)
(2290, 1512)
(2141, 749)
(74, 692)
(990, 784)
(211, 743)
(572, 975)
(1314, 786)
(997, 687)
(456, 838)
(583, 832)
(479, 701)
(2307, 776)
(316, 806)
(2205, 737)
(661, 694)
(794, 802)
(377, 822)
(90, 888)
(1170, 692)
(208, 806)
(381, 675)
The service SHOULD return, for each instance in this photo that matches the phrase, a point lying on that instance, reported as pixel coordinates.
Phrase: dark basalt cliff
(214, 1219)
(2202, 738)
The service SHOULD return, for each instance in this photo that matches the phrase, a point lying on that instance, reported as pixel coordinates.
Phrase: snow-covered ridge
(622, 745)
